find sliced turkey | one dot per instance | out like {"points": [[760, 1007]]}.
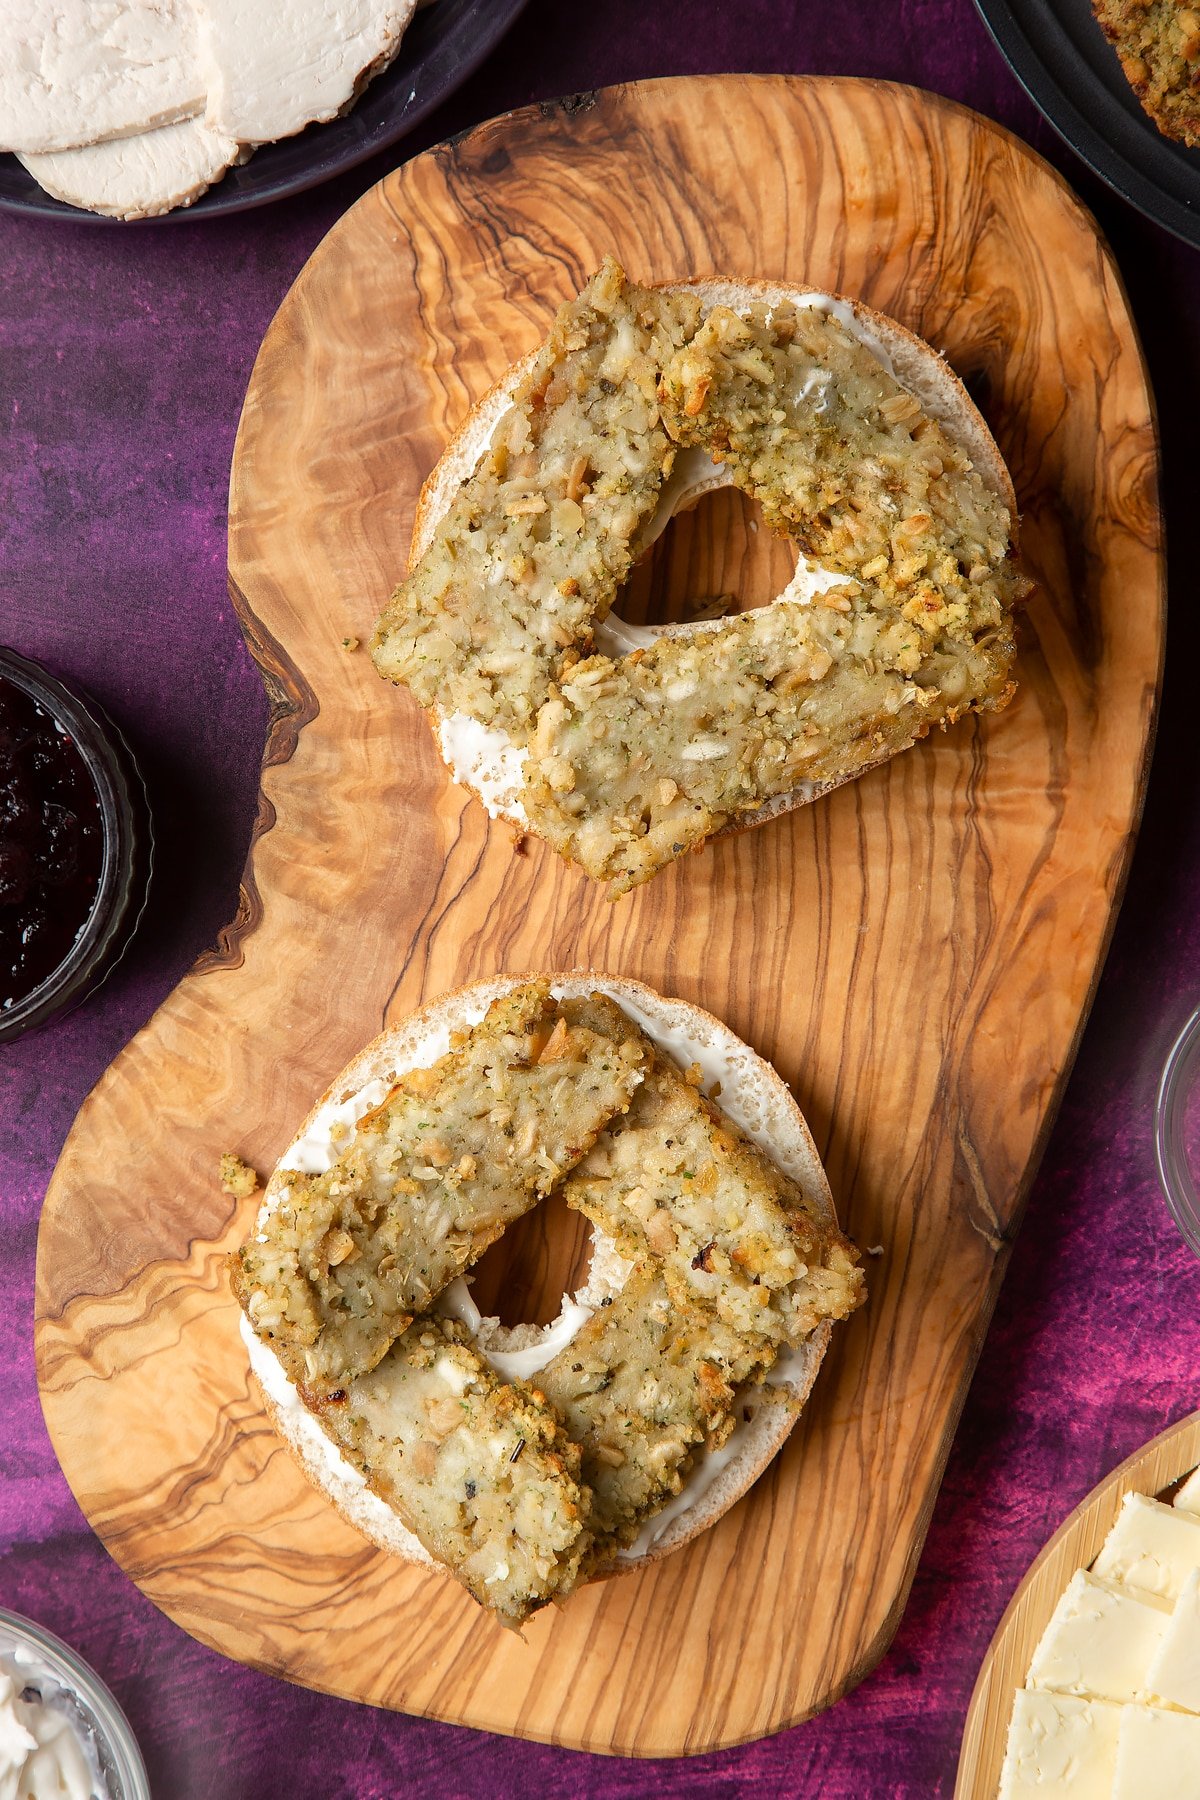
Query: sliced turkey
{"points": [[138, 177], [267, 83], [78, 71]]}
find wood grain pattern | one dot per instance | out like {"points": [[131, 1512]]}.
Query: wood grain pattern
{"points": [[1155, 1469], [916, 953]]}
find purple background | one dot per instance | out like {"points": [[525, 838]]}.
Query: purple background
{"points": [[125, 355]]}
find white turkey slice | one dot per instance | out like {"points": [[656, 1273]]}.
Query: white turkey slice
{"points": [[268, 83], [76, 72], [138, 177]]}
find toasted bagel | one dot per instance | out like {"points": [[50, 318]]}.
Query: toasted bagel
{"points": [[751, 1094], [485, 755]]}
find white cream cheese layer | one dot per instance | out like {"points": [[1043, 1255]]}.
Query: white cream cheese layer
{"points": [[480, 757], [727, 1070]]}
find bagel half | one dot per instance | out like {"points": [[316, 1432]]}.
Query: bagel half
{"points": [[485, 758], [751, 1093]]}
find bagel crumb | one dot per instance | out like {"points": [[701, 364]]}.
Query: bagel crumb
{"points": [[237, 1177]]}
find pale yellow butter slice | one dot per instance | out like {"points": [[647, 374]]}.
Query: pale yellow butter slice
{"points": [[1158, 1755], [1151, 1546], [1174, 1672], [1188, 1498], [1060, 1748], [1100, 1641]]}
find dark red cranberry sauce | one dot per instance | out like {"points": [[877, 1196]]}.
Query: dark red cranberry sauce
{"points": [[51, 844]]}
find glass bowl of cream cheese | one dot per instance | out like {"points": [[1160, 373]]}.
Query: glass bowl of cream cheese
{"points": [[62, 1735], [1177, 1131]]}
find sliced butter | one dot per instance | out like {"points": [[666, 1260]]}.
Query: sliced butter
{"points": [[1174, 1672], [1188, 1498], [1100, 1641], [1158, 1755], [1151, 1546], [1060, 1748]]}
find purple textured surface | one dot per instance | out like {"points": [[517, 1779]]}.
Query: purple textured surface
{"points": [[125, 357]]}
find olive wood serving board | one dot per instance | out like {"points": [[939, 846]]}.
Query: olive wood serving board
{"points": [[916, 952], [1155, 1469]]}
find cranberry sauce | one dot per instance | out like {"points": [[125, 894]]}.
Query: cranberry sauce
{"points": [[51, 844]]}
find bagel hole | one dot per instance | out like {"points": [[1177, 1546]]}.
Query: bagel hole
{"points": [[715, 559], [522, 1278]]}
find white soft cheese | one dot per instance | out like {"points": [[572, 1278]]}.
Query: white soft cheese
{"points": [[1174, 1672], [1100, 1641], [1151, 1546], [1158, 1755], [1060, 1748], [138, 177], [491, 1338], [485, 759], [331, 1129], [45, 1753], [77, 71], [269, 78]]}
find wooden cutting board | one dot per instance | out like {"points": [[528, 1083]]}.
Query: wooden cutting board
{"points": [[916, 953], [1157, 1470]]}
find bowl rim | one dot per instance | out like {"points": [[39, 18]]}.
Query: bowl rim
{"points": [[116, 780], [1180, 1071], [99, 1705]]}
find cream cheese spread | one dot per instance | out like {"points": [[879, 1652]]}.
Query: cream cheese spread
{"points": [[480, 757], [45, 1750]]}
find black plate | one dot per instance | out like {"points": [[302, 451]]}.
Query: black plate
{"points": [[444, 44], [1066, 65]]}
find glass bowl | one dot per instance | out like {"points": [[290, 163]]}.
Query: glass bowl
{"points": [[1177, 1131], [126, 846], [48, 1662]]}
